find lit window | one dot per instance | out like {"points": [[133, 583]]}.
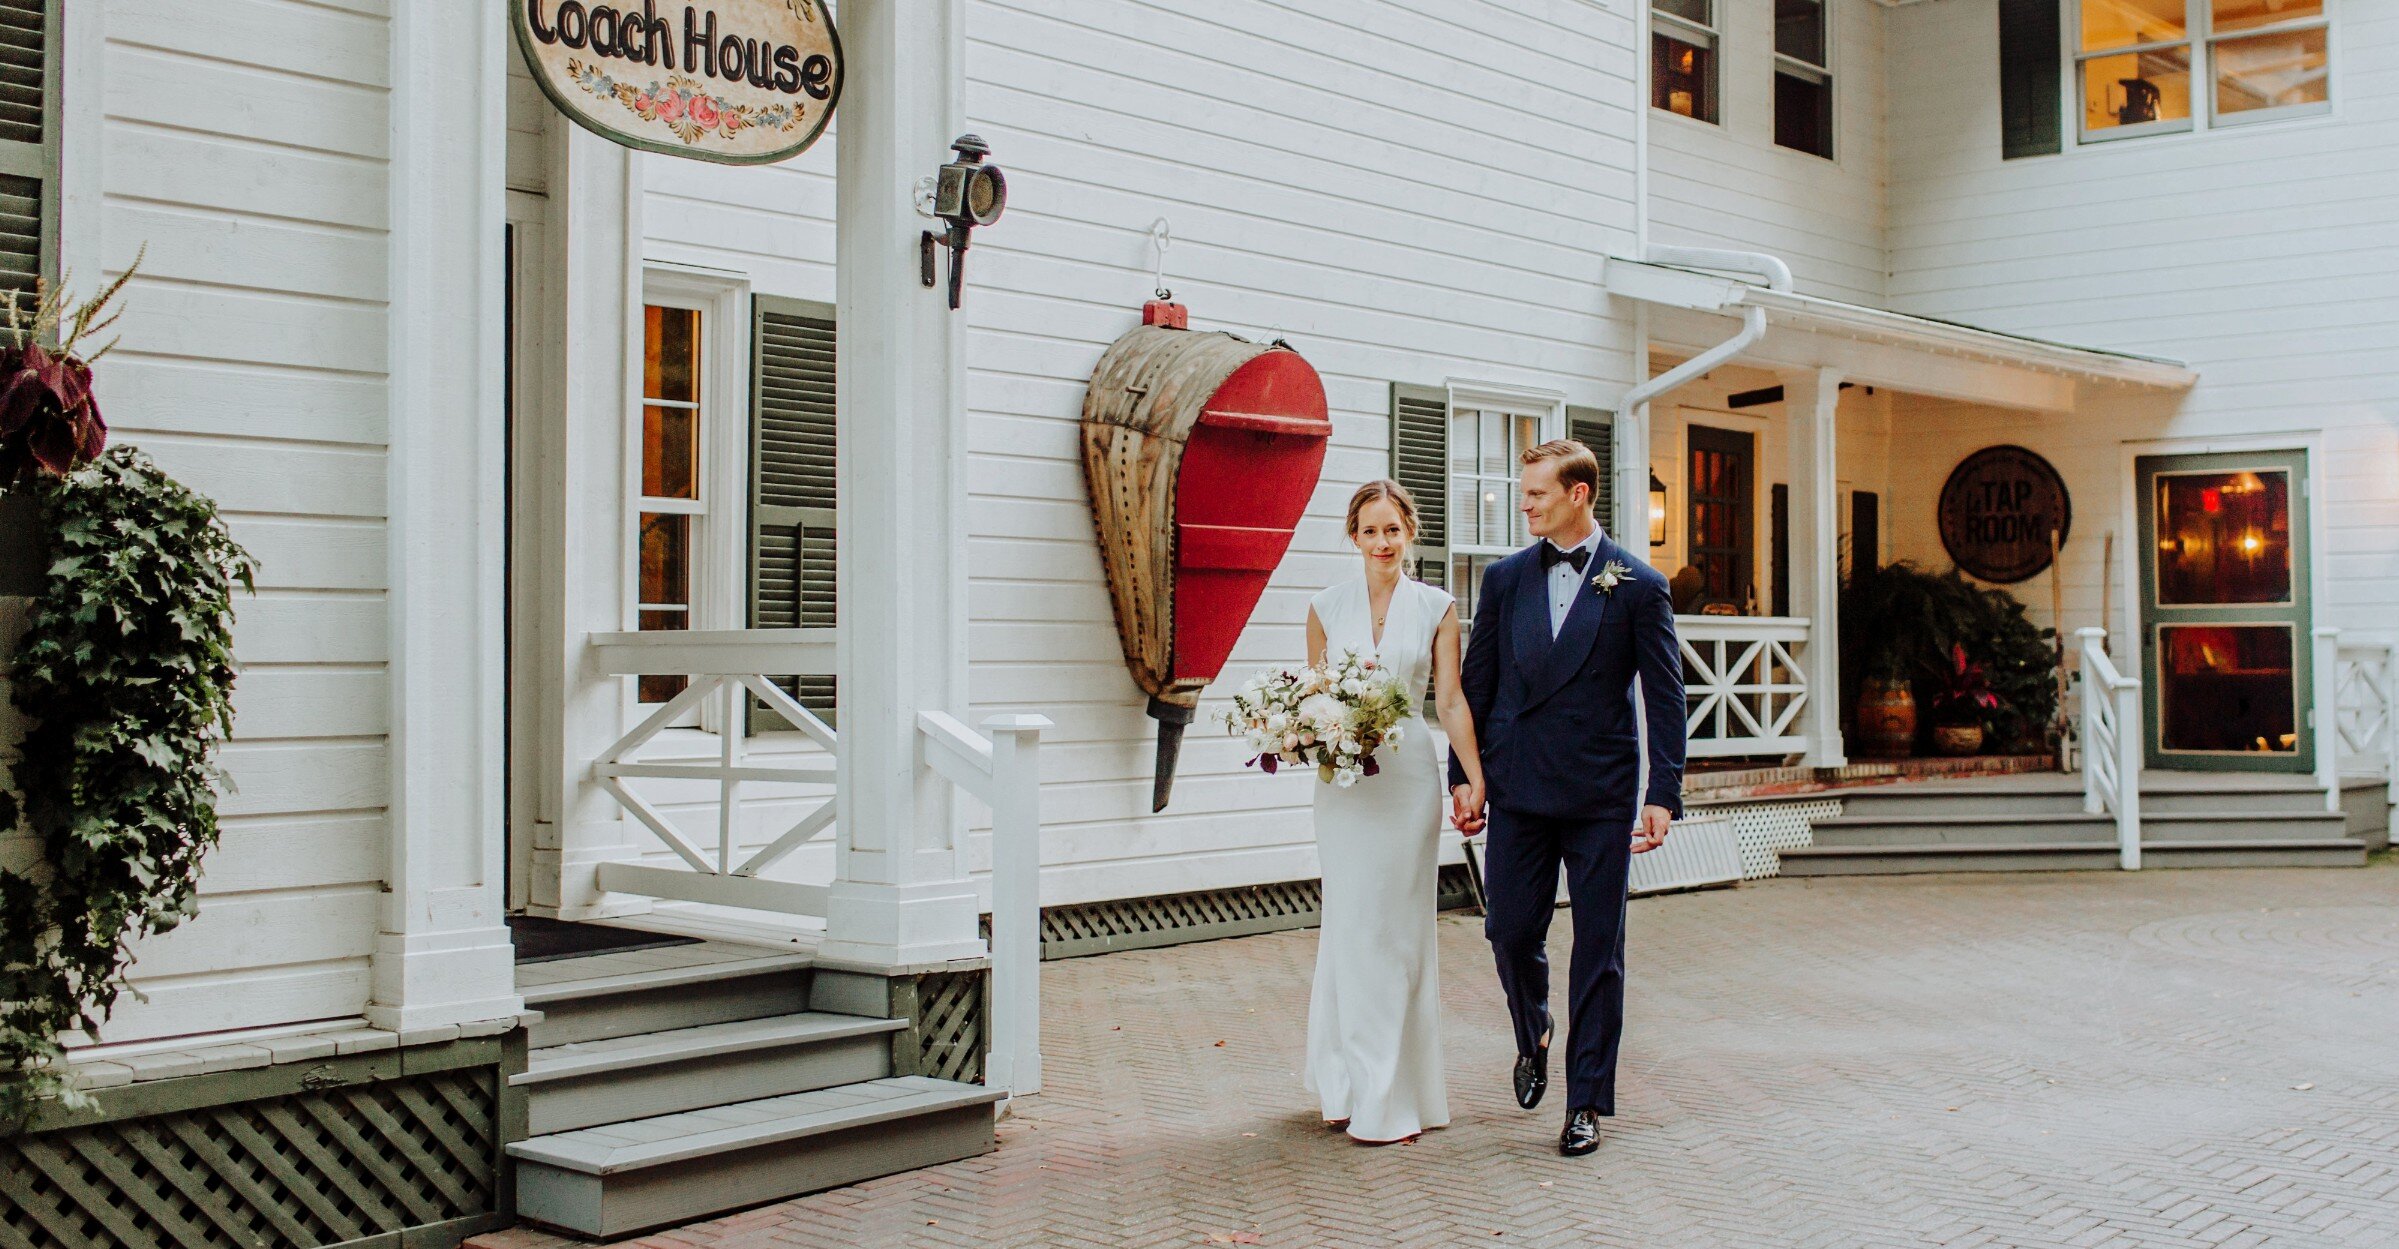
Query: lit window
{"points": [[1682, 57], [1803, 80], [2136, 61], [672, 503]]}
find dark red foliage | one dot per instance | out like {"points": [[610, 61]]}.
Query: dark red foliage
{"points": [[48, 417]]}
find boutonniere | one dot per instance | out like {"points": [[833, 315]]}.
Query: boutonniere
{"points": [[1611, 575]]}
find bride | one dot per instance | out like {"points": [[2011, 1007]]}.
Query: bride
{"points": [[1374, 1021]]}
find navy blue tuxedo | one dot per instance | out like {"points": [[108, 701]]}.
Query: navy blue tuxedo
{"points": [[1561, 756]]}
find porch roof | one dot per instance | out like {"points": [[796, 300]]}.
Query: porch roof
{"points": [[1905, 352]]}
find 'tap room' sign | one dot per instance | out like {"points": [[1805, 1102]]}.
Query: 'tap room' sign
{"points": [[743, 82]]}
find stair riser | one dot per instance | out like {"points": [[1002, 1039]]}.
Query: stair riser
{"points": [[2068, 861], [652, 1197], [1878, 804], [2238, 828], [715, 1080], [2369, 812], [632, 1013], [1933, 834]]}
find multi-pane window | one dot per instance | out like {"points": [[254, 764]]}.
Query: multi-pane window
{"points": [[2146, 66], [673, 505], [1803, 80], [1683, 46], [1483, 472]]}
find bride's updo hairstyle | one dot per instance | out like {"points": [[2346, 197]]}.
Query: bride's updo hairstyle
{"points": [[1389, 491]]}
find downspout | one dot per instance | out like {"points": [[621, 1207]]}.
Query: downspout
{"points": [[1635, 403]]}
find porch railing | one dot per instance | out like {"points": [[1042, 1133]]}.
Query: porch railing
{"points": [[1004, 771], [2364, 736], [727, 666], [1746, 686], [2111, 745]]}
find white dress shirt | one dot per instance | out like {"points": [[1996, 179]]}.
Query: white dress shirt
{"points": [[1565, 580]]}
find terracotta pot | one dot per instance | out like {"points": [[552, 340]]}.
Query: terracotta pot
{"points": [[1887, 719], [1958, 739]]}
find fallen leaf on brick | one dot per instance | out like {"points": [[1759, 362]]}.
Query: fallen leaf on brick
{"points": [[1249, 1134], [2301, 1088], [1220, 1045], [1545, 1183]]}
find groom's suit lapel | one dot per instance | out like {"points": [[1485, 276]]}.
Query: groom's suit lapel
{"points": [[1572, 646], [1530, 618]]}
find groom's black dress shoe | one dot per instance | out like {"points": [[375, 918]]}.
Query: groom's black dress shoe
{"points": [[1532, 1077], [1581, 1135]]}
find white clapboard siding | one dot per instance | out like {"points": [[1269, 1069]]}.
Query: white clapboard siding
{"points": [[1405, 191], [1729, 185], [2262, 254], [245, 147]]}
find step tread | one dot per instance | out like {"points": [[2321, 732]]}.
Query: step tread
{"points": [[662, 978], [585, 1058], [642, 1143], [2056, 847]]}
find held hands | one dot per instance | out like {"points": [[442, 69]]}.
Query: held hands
{"points": [[1649, 832], [1466, 809]]}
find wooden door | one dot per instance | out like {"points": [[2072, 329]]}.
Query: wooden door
{"points": [[1722, 513]]}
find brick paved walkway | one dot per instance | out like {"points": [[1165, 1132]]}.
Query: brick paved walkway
{"points": [[2081, 1059]]}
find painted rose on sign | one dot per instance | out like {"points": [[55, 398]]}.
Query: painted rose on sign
{"points": [[737, 81]]}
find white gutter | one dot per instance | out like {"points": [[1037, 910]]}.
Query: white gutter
{"points": [[1753, 318]]}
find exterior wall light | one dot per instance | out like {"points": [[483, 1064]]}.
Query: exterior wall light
{"points": [[967, 193], [1657, 510]]}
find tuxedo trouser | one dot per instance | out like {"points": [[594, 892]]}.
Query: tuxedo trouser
{"points": [[1522, 856]]}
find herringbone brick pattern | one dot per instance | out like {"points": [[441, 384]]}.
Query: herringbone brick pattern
{"points": [[2195, 1058]]}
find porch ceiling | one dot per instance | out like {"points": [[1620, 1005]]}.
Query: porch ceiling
{"points": [[1693, 310]]}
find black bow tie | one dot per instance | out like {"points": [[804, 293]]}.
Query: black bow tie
{"points": [[1551, 556]]}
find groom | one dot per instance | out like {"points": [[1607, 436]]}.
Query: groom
{"points": [[1560, 631]]}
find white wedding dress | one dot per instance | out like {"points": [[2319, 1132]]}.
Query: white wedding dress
{"points": [[1374, 1020]]}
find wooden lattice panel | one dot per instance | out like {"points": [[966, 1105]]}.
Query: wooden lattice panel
{"points": [[1171, 919], [307, 1168], [948, 1026]]}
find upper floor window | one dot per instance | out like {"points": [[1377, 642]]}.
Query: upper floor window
{"points": [[1683, 43], [1803, 80], [2158, 66]]}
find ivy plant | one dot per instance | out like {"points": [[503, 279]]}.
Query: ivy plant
{"points": [[124, 676]]}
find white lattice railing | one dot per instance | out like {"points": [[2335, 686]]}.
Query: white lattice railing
{"points": [[2365, 715], [726, 667], [2111, 745], [1004, 770], [1745, 686]]}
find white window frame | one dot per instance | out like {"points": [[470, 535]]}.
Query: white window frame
{"points": [[1709, 36], [1798, 68], [2202, 40], [1512, 401], [720, 515]]}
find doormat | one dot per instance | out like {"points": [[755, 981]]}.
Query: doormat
{"points": [[540, 940]]}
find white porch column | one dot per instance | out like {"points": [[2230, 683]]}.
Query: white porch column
{"points": [[574, 516], [1812, 398], [443, 954], [900, 892]]}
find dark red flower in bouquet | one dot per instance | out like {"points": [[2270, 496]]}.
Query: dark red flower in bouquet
{"points": [[47, 413]]}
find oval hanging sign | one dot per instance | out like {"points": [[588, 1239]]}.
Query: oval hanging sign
{"points": [[1998, 510], [742, 82]]}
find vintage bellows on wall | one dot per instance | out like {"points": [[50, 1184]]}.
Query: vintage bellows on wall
{"points": [[1201, 451]]}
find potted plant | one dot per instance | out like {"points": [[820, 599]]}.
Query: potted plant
{"points": [[49, 421], [1886, 711], [1963, 705]]}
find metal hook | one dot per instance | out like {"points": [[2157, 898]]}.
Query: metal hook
{"points": [[1161, 237]]}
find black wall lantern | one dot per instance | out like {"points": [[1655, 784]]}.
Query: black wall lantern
{"points": [[1657, 510], [968, 193]]}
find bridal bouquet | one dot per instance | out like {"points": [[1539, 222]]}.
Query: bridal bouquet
{"points": [[1333, 715]]}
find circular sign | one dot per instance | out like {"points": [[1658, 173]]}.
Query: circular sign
{"points": [[1998, 510], [741, 82]]}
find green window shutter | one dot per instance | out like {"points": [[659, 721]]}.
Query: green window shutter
{"points": [[29, 42], [1420, 462], [2030, 48], [1596, 428], [793, 542]]}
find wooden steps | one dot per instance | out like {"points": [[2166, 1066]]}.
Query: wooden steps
{"points": [[2036, 823], [648, 1173], [671, 1085]]}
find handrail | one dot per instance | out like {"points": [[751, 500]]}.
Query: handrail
{"points": [[1744, 684], [1004, 770], [713, 652], [2111, 745]]}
